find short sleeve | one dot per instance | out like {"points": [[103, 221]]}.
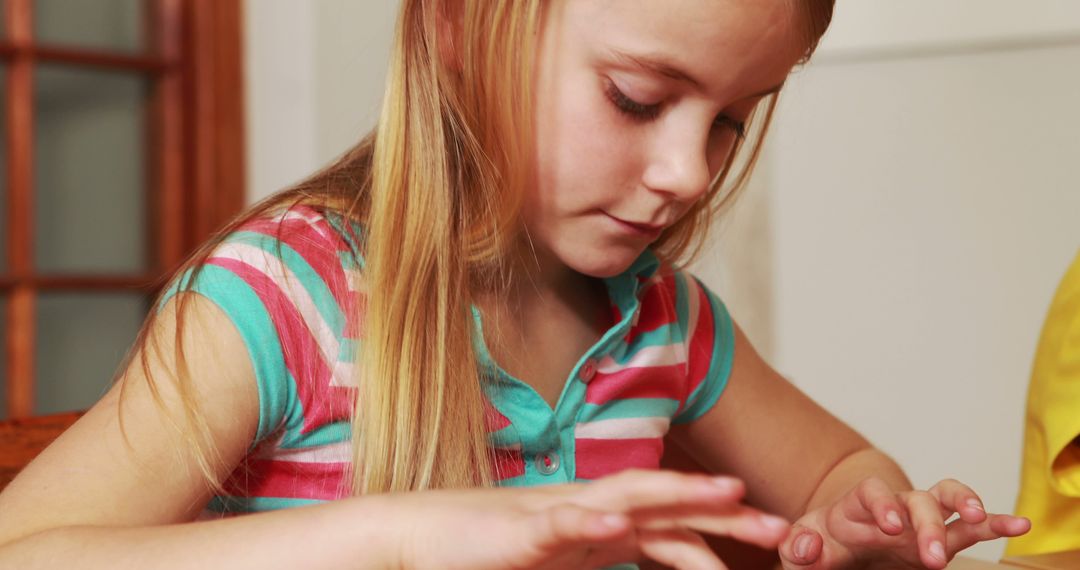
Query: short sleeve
{"points": [[710, 346], [282, 283]]}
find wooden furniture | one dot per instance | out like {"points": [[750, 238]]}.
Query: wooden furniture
{"points": [[22, 440]]}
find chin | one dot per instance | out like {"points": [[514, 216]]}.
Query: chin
{"points": [[602, 263]]}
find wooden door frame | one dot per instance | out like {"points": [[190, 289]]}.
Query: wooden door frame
{"points": [[196, 177]]}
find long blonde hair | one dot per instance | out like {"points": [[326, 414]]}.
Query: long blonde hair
{"points": [[438, 186]]}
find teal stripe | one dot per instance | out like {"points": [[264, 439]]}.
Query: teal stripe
{"points": [[257, 504], [312, 282], [506, 437], [334, 432], [682, 306], [248, 314], [519, 481], [630, 408], [708, 392], [352, 239], [348, 349]]}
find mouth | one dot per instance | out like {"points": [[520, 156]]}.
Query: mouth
{"points": [[638, 229]]}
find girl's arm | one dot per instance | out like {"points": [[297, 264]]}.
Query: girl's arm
{"points": [[791, 452], [94, 500], [850, 501]]}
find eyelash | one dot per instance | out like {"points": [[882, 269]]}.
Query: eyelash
{"points": [[640, 112]]}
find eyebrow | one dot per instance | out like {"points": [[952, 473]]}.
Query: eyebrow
{"points": [[660, 65]]}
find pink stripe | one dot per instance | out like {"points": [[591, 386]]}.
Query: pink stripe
{"points": [[700, 349], [322, 403], [507, 464], [319, 252], [651, 382], [599, 457], [287, 480], [493, 418], [657, 308]]}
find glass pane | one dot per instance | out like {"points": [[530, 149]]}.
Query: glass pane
{"points": [[3, 168], [112, 25], [3, 357], [81, 339], [90, 173]]}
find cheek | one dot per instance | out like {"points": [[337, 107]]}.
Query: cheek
{"points": [[584, 152], [720, 149]]}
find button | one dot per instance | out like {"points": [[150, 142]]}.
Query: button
{"points": [[547, 463], [588, 370]]}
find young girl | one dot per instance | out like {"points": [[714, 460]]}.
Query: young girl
{"points": [[483, 293]]}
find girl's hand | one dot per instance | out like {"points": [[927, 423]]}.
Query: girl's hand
{"points": [[658, 514], [874, 526]]}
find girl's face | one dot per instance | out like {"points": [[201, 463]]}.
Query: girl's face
{"points": [[638, 104]]}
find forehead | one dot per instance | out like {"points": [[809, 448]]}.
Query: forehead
{"points": [[723, 42]]}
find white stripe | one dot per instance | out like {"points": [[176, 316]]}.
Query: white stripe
{"points": [[290, 285], [624, 428], [344, 375], [339, 452], [649, 356]]}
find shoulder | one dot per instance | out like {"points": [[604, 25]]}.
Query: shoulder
{"points": [[683, 299]]}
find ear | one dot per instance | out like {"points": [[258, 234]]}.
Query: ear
{"points": [[451, 27]]}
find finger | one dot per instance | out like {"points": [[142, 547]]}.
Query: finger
{"points": [[925, 512], [742, 523], [678, 548], [557, 528], [802, 548], [961, 534], [956, 497], [877, 499], [649, 489]]}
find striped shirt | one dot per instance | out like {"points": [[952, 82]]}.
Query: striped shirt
{"points": [[292, 286]]}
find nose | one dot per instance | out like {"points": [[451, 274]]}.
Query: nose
{"points": [[679, 165]]}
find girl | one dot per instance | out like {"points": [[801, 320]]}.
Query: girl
{"points": [[498, 256]]}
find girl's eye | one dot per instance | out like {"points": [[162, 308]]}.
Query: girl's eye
{"points": [[643, 112], [724, 121], [630, 107]]}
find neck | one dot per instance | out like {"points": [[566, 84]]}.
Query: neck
{"points": [[536, 280]]}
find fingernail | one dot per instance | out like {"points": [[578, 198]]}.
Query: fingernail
{"points": [[975, 504], [774, 523], [893, 519], [614, 521], [802, 546], [937, 550], [725, 483]]}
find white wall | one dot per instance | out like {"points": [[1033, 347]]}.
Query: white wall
{"points": [[315, 72], [903, 235], [921, 199]]}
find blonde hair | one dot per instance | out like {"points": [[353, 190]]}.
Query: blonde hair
{"points": [[438, 186]]}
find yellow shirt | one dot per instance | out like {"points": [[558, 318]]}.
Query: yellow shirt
{"points": [[1050, 480]]}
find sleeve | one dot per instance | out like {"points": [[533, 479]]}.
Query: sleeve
{"points": [[1059, 415], [282, 284], [710, 346]]}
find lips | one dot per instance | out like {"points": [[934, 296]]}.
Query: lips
{"points": [[638, 228]]}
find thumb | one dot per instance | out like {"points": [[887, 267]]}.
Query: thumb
{"points": [[801, 549]]}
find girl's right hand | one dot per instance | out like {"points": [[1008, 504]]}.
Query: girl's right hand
{"points": [[617, 519]]}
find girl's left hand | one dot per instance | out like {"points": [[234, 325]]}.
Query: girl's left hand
{"points": [[874, 526]]}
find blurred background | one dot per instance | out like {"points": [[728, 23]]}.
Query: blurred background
{"points": [[917, 201]]}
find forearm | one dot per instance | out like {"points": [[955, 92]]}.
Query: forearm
{"points": [[350, 533], [853, 468]]}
